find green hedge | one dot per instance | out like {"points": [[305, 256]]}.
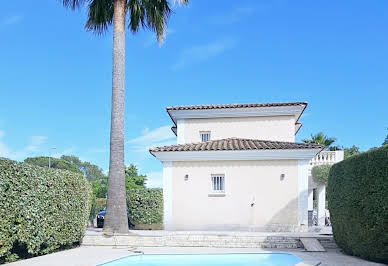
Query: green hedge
{"points": [[145, 205], [358, 203], [42, 209]]}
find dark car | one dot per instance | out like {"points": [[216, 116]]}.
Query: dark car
{"points": [[101, 217]]}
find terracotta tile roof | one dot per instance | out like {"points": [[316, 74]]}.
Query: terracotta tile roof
{"points": [[237, 144], [226, 106]]}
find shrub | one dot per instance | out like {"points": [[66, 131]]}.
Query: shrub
{"points": [[96, 194], [358, 203], [54, 163], [145, 206], [320, 174], [97, 205], [42, 209]]}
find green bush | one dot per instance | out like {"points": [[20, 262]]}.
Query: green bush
{"points": [[145, 206], [42, 209], [320, 174], [358, 203]]}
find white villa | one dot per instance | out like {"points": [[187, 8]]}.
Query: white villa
{"points": [[238, 167]]}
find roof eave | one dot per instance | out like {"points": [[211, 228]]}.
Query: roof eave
{"points": [[278, 154], [237, 112]]}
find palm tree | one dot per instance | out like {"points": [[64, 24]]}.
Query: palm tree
{"points": [[151, 14], [320, 138]]}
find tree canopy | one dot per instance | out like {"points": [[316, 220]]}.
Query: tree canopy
{"points": [[72, 163], [348, 152], [58, 163], [91, 171], [133, 179]]}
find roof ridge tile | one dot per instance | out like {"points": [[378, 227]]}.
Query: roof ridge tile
{"points": [[236, 144]]}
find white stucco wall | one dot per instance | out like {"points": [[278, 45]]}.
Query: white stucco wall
{"points": [[191, 208], [277, 128]]}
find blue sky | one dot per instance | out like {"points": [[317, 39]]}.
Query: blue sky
{"points": [[55, 78]]}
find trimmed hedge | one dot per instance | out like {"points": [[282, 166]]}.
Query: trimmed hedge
{"points": [[42, 209], [358, 203], [145, 205]]}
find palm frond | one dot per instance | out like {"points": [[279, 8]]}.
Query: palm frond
{"points": [[151, 14], [100, 16], [181, 2], [137, 14], [73, 4], [320, 138]]}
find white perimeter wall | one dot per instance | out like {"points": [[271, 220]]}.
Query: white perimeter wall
{"points": [[188, 205]]}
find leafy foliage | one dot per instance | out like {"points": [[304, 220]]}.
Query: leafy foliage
{"points": [[348, 152], [43, 161], [42, 209], [99, 188], [91, 171], [145, 205], [133, 179], [358, 204], [96, 205], [320, 138], [98, 193], [320, 174]]}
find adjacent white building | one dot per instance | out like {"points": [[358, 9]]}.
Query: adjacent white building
{"points": [[237, 167]]}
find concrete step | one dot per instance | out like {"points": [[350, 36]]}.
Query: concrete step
{"points": [[312, 244], [328, 242]]}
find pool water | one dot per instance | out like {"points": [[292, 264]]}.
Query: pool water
{"points": [[250, 259]]}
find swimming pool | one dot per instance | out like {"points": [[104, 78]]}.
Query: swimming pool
{"points": [[249, 259]]}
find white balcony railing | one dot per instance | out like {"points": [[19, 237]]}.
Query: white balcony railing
{"points": [[327, 157]]}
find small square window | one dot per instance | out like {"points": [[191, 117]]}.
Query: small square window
{"points": [[205, 136], [218, 183]]}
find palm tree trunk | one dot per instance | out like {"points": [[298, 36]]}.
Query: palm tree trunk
{"points": [[116, 220]]}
